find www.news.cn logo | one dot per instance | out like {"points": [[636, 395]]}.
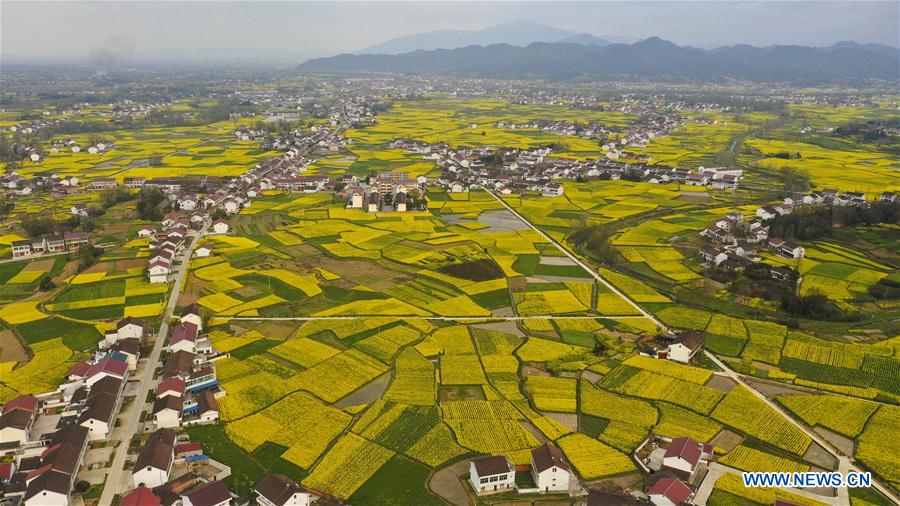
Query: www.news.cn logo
{"points": [[808, 480]]}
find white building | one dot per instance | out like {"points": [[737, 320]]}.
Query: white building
{"points": [[214, 493], [220, 227], [491, 474], [279, 490], [154, 463], [669, 492], [549, 469]]}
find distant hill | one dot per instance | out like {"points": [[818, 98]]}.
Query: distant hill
{"points": [[585, 39], [651, 58], [520, 33]]}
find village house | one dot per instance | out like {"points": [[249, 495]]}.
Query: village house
{"points": [[684, 456], [711, 255], [203, 250], [167, 412], [191, 314], [682, 346], [279, 490], [491, 474], [51, 477], [170, 386], [214, 493], [552, 190], [766, 213], [158, 270], [220, 227], [184, 338], [19, 415], [100, 407], [130, 327], [131, 349], [549, 469], [111, 366], [793, 250], [147, 231], [669, 492], [141, 496], [154, 462]]}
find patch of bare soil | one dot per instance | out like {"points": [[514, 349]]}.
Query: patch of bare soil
{"points": [[69, 269], [819, 456], [40, 265], [507, 326], [727, 440], [367, 394], [534, 370], [841, 442], [362, 272], [461, 393], [99, 267], [447, 484], [771, 390], [534, 431], [570, 420], [617, 483], [186, 299], [274, 329], [721, 383], [130, 263], [591, 376], [10, 348]]}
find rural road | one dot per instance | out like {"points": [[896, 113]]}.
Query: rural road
{"points": [[575, 259], [844, 464], [116, 479], [417, 317]]}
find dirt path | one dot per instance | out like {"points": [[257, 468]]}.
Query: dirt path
{"points": [[446, 484]]}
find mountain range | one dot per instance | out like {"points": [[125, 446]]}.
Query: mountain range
{"points": [[586, 56], [520, 33]]}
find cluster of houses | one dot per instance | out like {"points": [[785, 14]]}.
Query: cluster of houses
{"points": [[388, 192], [297, 143], [168, 242], [164, 451], [187, 390], [549, 471], [520, 170], [677, 466], [57, 186], [734, 243], [170, 469], [45, 461], [68, 242]]}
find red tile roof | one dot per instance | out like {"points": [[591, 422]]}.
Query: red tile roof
{"points": [[108, 365], [141, 496], [672, 488], [184, 331], [686, 448], [174, 383], [24, 402]]}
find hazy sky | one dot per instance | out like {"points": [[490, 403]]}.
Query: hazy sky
{"points": [[170, 30]]}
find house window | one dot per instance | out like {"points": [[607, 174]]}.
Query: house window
{"points": [[483, 480], [493, 479]]}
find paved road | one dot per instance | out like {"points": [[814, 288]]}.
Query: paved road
{"points": [[578, 261], [119, 479], [844, 464], [416, 317]]}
